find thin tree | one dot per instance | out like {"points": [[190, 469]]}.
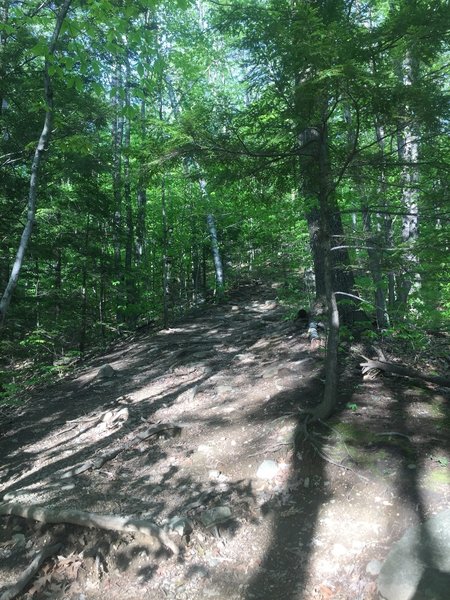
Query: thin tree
{"points": [[41, 148]]}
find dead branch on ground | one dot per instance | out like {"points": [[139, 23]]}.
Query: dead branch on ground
{"points": [[404, 371]]}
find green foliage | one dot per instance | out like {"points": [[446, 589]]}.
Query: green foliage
{"points": [[225, 95]]}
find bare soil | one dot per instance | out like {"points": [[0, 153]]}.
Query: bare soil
{"points": [[234, 379]]}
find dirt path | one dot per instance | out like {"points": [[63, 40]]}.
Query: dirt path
{"points": [[233, 380]]}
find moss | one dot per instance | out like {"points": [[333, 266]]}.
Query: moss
{"points": [[347, 432], [365, 448], [437, 478]]}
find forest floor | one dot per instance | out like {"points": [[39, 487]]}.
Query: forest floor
{"points": [[228, 382]]}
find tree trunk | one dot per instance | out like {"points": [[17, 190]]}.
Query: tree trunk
{"points": [[210, 220], [141, 198], [212, 230], [311, 175], [129, 244], [313, 220], [374, 254], [37, 291], [117, 140], [328, 404], [165, 256], [58, 274], [41, 148], [84, 291], [408, 153]]}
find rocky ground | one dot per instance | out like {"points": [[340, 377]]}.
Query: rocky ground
{"points": [[193, 429]]}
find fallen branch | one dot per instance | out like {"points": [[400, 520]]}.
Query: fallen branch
{"points": [[101, 459], [86, 519], [30, 571], [398, 370]]}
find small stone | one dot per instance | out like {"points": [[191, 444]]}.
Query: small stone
{"points": [[306, 482], [19, 540], [204, 448], [106, 372], [224, 389], [215, 516], [68, 486], [339, 550], [268, 469], [179, 525], [374, 567], [285, 372], [201, 355], [412, 466], [270, 372]]}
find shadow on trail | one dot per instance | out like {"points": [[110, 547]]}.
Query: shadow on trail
{"points": [[284, 573], [426, 436]]}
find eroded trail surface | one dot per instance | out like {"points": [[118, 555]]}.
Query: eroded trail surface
{"points": [[252, 517]]}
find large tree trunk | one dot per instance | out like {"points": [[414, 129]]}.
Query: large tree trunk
{"points": [[408, 153], [41, 148], [328, 404], [313, 220], [311, 176]]}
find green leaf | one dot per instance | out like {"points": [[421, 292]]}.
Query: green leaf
{"points": [[7, 28], [40, 49]]}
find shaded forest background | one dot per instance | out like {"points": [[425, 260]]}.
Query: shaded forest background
{"points": [[155, 153]]}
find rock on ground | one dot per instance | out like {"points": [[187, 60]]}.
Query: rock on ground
{"points": [[418, 565]]}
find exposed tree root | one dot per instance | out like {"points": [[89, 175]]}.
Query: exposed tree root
{"points": [[30, 571], [85, 519]]}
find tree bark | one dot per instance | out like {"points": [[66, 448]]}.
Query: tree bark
{"points": [[341, 273], [117, 142], [212, 230], [129, 243], [374, 255], [141, 198], [408, 153], [41, 148], [165, 255], [328, 403]]}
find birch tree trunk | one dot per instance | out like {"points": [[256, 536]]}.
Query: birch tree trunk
{"points": [[129, 243], [408, 153], [212, 230], [117, 142], [41, 148], [141, 197], [210, 220], [165, 255]]}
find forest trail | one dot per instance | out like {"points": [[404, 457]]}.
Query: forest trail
{"points": [[252, 517]]}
